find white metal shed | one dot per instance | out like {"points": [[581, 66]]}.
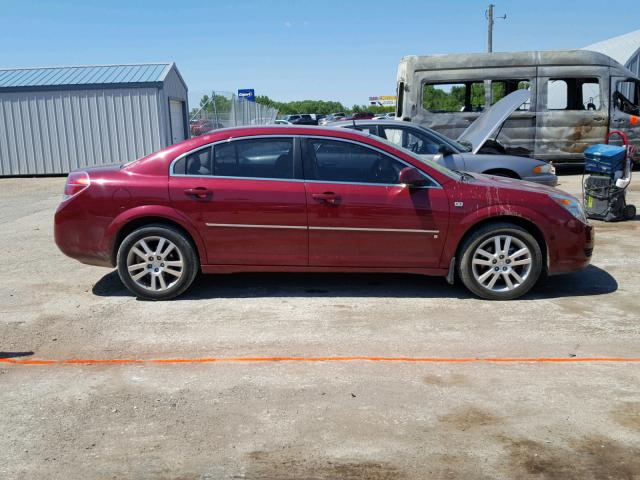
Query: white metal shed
{"points": [[56, 119]]}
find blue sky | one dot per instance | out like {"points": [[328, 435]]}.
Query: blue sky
{"points": [[291, 50]]}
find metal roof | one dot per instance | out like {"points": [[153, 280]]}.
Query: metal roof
{"points": [[620, 48], [83, 76]]}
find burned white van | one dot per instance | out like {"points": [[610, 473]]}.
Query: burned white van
{"points": [[577, 97]]}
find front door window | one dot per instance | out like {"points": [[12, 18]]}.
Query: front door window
{"points": [[626, 97]]}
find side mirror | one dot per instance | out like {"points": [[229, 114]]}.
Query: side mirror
{"points": [[412, 177]]}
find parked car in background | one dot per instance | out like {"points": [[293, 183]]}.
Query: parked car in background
{"points": [[201, 126], [281, 121], [301, 119], [334, 117], [434, 146], [385, 116], [278, 198], [359, 116]]}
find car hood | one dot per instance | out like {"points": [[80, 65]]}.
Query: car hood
{"points": [[482, 179], [483, 127], [510, 159]]}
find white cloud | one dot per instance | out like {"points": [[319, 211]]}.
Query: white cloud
{"points": [[288, 24]]}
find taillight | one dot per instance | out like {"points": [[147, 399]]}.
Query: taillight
{"points": [[76, 182]]}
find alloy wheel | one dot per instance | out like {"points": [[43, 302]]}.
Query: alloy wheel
{"points": [[155, 263], [502, 263]]}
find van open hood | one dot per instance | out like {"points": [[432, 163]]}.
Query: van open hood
{"points": [[479, 131]]}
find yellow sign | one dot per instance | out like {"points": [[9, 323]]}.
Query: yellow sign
{"points": [[383, 100]]}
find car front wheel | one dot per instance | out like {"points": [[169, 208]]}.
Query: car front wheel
{"points": [[500, 261], [157, 262]]}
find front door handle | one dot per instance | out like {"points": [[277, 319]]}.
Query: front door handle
{"points": [[618, 120], [598, 119], [329, 198], [199, 192]]}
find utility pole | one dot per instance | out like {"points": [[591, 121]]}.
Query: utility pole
{"points": [[490, 18]]}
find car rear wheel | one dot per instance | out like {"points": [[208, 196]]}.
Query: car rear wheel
{"points": [[157, 262], [500, 261]]}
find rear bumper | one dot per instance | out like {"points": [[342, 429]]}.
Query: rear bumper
{"points": [[573, 249], [81, 236]]}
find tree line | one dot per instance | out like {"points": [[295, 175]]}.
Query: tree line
{"points": [[325, 107]]}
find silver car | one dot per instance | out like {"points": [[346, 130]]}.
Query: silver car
{"points": [[463, 155]]}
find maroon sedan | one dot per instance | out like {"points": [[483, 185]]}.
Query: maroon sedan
{"points": [[306, 199]]}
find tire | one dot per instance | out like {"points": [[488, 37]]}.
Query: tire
{"points": [[629, 212], [169, 266], [477, 270]]}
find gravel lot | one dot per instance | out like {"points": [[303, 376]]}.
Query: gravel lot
{"points": [[312, 419]]}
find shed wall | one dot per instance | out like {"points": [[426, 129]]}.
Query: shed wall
{"points": [[172, 88], [57, 131]]}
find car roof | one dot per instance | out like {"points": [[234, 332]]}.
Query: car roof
{"points": [[376, 122], [251, 131]]}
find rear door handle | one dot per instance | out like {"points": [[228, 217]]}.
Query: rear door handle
{"points": [[326, 197], [598, 119], [199, 192]]}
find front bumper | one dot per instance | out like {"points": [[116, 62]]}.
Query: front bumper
{"points": [[548, 179], [573, 249]]}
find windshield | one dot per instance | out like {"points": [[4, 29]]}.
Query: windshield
{"points": [[430, 163], [459, 147]]}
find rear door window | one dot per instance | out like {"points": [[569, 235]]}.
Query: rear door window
{"points": [[196, 163], [255, 158]]}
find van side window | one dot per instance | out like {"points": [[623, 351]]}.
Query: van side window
{"points": [[573, 94], [502, 88], [453, 97], [626, 98]]}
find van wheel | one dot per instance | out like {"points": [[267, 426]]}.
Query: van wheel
{"points": [[157, 262], [500, 261]]}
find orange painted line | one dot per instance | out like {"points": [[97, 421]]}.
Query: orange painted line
{"points": [[128, 361]]}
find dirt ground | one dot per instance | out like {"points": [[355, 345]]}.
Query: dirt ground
{"points": [[345, 419]]}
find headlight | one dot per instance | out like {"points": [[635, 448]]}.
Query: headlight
{"points": [[572, 205], [546, 168]]}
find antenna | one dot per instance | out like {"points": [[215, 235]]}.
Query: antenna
{"points": [[489, 16]]}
